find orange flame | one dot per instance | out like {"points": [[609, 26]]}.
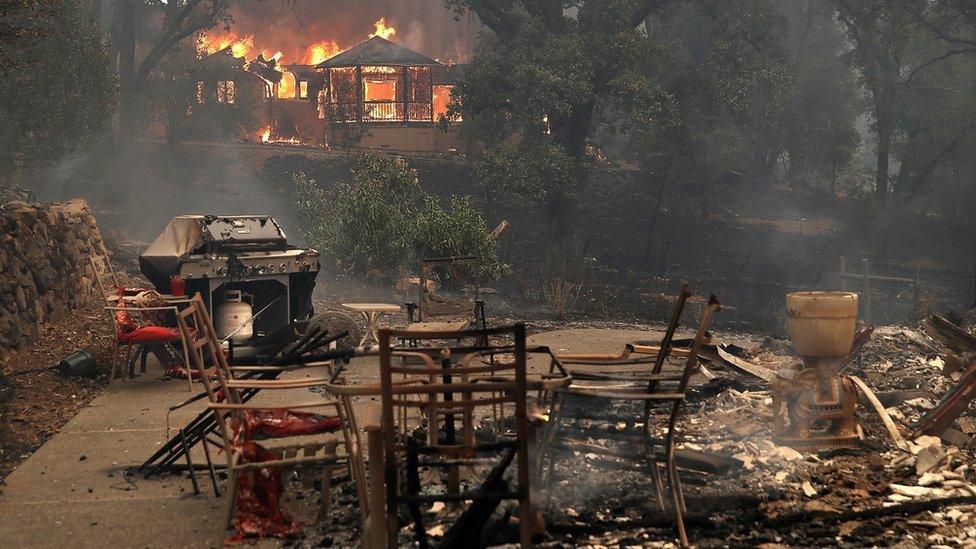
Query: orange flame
{"points": [[286, 86], [212, 43], [382, 30], [318, 52]]}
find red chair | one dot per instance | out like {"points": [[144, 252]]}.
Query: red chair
{"points": [[140, 328]]}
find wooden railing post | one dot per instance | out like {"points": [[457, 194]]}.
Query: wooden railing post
{"points": [[866, 292], [841, 272], [918, 287]]}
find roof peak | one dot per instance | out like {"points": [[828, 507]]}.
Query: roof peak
{"points": [[377, 50]]}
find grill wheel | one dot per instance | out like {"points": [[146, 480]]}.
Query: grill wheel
{"points": [[338, 321]]}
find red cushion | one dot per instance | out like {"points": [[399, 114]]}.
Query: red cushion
{"points": [[286, 423], [149, 334]]}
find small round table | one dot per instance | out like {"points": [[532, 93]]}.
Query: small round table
{"points": [[371, 312]]}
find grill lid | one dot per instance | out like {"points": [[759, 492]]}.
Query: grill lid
{"points": [[210, 234]]}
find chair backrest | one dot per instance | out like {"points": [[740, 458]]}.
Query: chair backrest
{"points": [[665, 346], [106, 280], [444, 270], [480, 369], [204, 346], [691, 363]]}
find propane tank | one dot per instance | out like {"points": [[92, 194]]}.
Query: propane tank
{"points": [[234, 314]]}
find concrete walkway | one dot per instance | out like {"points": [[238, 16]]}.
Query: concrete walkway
{"points": [[71, 492]]}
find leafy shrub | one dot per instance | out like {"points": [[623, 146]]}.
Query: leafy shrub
{"points": [[383, 220]]}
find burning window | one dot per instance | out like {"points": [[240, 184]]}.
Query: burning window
{"points": [[380, 83], [201, 92], [342, 94], [418, 96], [441, 102], [225, 91], [303, 89], [286, 87]]}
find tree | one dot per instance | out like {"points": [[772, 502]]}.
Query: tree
{"points": [[181, 20], [820, 120], [382, 220], [880, 32], [57, 87], [534, 93], [725, 66]]}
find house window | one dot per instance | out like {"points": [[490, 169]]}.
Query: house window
{"points": [[303, 89], [225, 91], [381, 90], [441, 101], [201, 92], [286, 86]]}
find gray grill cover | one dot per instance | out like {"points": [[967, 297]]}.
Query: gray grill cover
{"points": [[161, 260]]}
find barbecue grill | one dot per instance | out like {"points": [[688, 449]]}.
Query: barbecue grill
{"points": [[257, 287]]}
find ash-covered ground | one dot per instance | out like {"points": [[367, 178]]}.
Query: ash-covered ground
{"points": [[869, 494]]}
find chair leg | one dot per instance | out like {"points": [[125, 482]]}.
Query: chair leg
{"points": [[677, 498], [413, 488], [128, 357], [143, 356], [658, 484], [115, 361], [231, 504], [548, 436], [326, 496]]}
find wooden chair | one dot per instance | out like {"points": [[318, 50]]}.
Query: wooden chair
{"points": [[450, 385], [650, 388], [434, 313], [129, 321], [238, 421]]}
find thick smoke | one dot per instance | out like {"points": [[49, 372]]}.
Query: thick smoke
{"points": [[292, 26]]}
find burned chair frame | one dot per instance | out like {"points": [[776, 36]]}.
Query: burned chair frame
{"points": [[650, 388], [229, 408], [422, 315], [481, 377]]}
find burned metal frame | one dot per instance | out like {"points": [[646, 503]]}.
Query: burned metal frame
{"points": [[481, 379], [229, 410], [648, 388]]}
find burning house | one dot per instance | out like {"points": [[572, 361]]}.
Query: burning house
{"points": [[375, 95], [380, 95]]}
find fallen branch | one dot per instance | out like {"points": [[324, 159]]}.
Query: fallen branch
{"points": [[882, 413]]}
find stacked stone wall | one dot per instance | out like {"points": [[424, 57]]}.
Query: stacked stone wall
{"points": [[44, 266]]}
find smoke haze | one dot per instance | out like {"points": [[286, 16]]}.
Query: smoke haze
{"points": [[291, 27]]}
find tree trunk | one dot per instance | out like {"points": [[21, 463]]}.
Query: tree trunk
{"points": [[127, 61], [885, 129]]}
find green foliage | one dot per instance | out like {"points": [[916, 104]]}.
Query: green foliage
{"points": [[725, 66], [819, 123], [57, 87], [383, 220], [544, 84]]}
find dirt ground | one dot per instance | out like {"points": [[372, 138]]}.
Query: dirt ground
{"points": [[35, 400]]}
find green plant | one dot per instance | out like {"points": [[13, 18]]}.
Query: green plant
{"points": [[384, 221]]}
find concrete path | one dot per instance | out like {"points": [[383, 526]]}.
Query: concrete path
{"points": [[71, 492]]}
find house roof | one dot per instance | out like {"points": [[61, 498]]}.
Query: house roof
{"points": [[377, 51]]}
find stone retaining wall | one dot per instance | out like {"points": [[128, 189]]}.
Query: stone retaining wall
{"points": [[44, 267]]}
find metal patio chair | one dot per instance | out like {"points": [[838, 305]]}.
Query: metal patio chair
{"points": [[483, 372], [436, 313], [241, 423], [650, 388]]}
